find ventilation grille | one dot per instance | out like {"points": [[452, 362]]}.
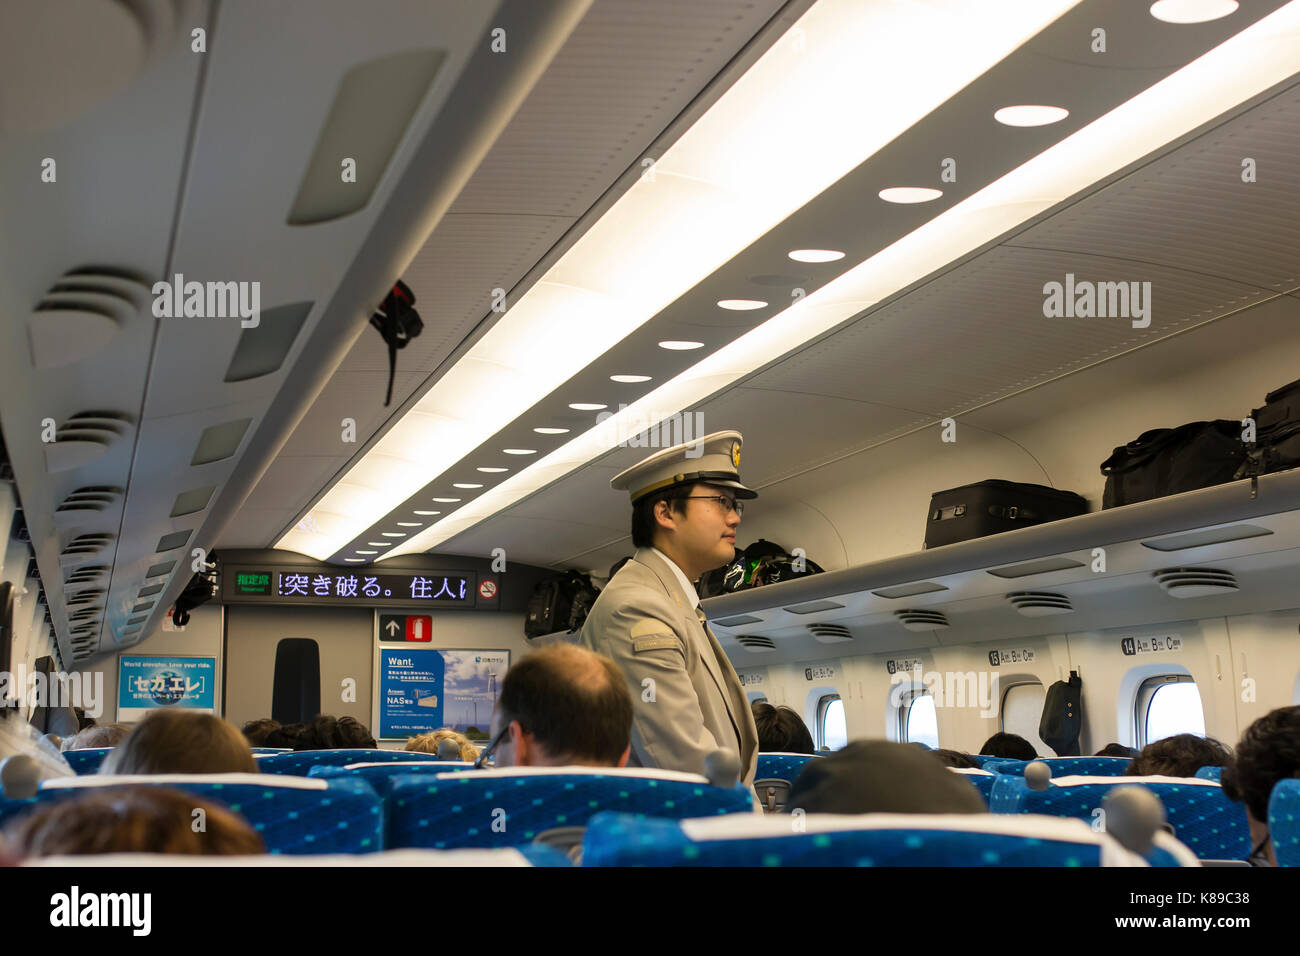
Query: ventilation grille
{"points": [[83, 438], [1040, 603], [919, 620], [86, 596], [86, 502], [755, 643], [830, 633], [85, 577], [1195, 582], [85, 546]]}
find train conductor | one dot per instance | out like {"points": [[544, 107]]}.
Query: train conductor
{"points": [[688, 700]]}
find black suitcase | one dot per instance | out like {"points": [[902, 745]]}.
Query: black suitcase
{"points": [[559, 603], [1277, 433], [1169, 461], [993, 506]]}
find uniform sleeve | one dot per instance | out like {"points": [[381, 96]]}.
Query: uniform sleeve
{"points": [[668, 726]]}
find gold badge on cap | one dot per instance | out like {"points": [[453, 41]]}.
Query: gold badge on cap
{"points": [[735, 454]]}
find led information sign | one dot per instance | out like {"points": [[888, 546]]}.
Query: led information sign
{"points": [[253, 582], [449, 589]]}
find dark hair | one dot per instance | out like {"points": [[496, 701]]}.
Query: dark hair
{"points": [[1269, 751], [1012, 746], [285, 736], [876, 776], [643, 512], [781, 730], [132, 820], [1116, 750], [257, 730], [955, 758], [1178, 756], [574, 710], [181, 741], [330, 733]]}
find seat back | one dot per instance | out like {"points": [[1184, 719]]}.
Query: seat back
{"points": [[1284, 822], [512, 806], [1202, 817], [773, 794], [981, 780], [266, 751], [296, 763], [292, 815], [380, 776], [86, 761], [781, 766], [1067, 766], [1210, 773], [510, 857], [876, 839]]}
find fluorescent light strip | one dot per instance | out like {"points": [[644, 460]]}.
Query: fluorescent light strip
{"points": [[1261, 56], [725, 182]]}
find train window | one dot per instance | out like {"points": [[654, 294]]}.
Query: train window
{"points": [[1168, 705], [1022, 710], [832, 731], [918, 719]]}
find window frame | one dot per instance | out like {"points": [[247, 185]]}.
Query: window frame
{"points": [[823, 705], [905, 701], [1146, 693]]}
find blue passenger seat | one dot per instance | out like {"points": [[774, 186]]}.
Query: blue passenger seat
{"points": [[296, 763], [981, 780], [781, 766], [381, 775], [1284, 822], [86, 761], [511, 806], [1210, 773], [1066, 766]]}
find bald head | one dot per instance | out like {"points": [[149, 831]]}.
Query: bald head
{"points": [[571, 704]]}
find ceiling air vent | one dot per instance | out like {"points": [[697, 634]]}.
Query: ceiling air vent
{"points": [[920, 620], [86, 596], [85, 577], [1040, 603], [1195, 582], [83, 438], [830, 633], [85, 546], [752, 642], [85, 503]]}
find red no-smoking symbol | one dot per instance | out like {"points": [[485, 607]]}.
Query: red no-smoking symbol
{"points": [[487, 589]]}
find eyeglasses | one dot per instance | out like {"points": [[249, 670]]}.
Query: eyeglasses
{"points": [[725, 502], [487, 758]]}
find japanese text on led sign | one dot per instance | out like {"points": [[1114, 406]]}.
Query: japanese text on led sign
{"points": [[363, 586]]}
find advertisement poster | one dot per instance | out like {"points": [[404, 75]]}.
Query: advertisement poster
{"points": [[145, 683], [423, 689]]}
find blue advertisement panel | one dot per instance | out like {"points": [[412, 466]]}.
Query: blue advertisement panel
{"points": [[422, 689], [145, 683]]}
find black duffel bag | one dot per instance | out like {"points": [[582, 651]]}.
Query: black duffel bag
{"points": [[1169, 461], [1277, 433], [559, 603], [993, 506]]}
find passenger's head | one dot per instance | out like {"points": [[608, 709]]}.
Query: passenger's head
{"points": [[100, 735], [954, 758], [687, 522], [284, 737], [1010, 746], [1178, 756], [428, 743], [1268, 751], [181, 741], [781, 730], [132, 820], [330, 733], [563, 705], [876, 776], [1116, 750], [257, 730]]}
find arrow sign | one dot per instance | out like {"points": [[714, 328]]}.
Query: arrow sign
{"points": [[392, 628]]}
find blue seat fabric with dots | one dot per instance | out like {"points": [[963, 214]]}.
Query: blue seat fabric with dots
{"points": [[510, 807], [86, 761], [1203, 818], [1066, 766], [980, 780], [334, 816], [1284, 822], [1210, 773], [381, 776], [297, 763], [781, 766], [869, 840]]}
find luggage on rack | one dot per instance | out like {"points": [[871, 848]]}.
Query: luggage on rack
{"points": [[560, 602], [1277, 433], [1168, 461], [993, 506]]}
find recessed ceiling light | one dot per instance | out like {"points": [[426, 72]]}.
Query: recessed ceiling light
{"points": [[1030, 115], [380, 544], [816, 255], [676, 346], [629, 379], [393, 534], [467, 485], [1192, 11], [489, 470], [354, 560], [446, 501], [909, 194], [586, 406], [410, 524], [523, 451], [428, 512], [551, 431], [741, 305], [362, 551]]}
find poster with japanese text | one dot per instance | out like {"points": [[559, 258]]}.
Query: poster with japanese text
{"points": [[145, 683], [422, 689]]}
